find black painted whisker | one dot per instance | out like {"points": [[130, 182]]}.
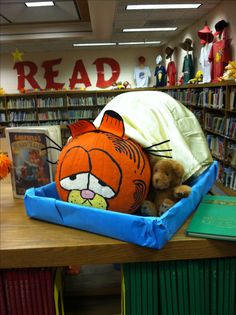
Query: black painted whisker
{"points": [[167, 150], [53, 142], [154, 145], [51, 162], [165, 156]]}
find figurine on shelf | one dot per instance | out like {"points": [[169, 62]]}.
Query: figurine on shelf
{"points": [[188, 68], [142, 74], [160, 72], [219, 55], [206, 37], [229, 72], [126, 85], [198, 78], [171, 68], [2, 91]]}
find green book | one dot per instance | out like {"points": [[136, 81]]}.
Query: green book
{"points": [[214, 218]]}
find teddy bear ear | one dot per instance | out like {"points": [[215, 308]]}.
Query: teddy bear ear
{"points": [[178, 169]]}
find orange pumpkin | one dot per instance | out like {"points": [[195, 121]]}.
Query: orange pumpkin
{"points": [[102, 168]]}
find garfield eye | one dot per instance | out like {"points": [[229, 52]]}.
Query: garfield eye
{"points": [[100, 187], [72, 177], [75, 181]]}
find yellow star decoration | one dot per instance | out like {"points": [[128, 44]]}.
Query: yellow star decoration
{"points": [[17, 55]]}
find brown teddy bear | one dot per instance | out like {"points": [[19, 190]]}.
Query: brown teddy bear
{"points": [[166, 188]]}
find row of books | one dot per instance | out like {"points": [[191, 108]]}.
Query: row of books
{"points": [[50, 102], [57, 114], [103, 100], [186, 97], [208, 97], [80, 101], [21, 102], [212, 98], [31, 291], [52, 115], [215, 123], [3, 117], [22, 116], [231, 153], [87, 114], [199, 115], [230, 130], [216, 146], [202, 286], [227, 176]]}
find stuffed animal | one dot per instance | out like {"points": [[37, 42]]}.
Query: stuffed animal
{"points": [[198, 78], [166, 189], [126, 85], [102, 168], [230, 72]]}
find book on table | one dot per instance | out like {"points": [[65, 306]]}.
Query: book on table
{"points": [[30, 149], [214, 218]]}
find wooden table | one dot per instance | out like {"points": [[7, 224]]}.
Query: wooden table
{"points": [[25, 242]]}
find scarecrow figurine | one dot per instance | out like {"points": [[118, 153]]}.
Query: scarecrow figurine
{"points": [[160, 72], [219, 55], [206, 38], [188, 68], [171, 68]]}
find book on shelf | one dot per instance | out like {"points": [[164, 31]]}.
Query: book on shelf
{"points": [[3, 303], [233, 99], [215, 218], [30, 291], [30, 149]]}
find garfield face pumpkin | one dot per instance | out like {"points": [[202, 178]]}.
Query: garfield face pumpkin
{"points": [[102, 168]]}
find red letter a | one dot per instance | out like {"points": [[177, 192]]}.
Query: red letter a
{"points": [[19, 66], [115, 68], [79, 67]]}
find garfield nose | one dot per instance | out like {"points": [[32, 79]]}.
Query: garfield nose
{"points": [[87, 194]]}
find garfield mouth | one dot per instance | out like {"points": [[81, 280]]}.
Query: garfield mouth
{"points": [[98, 201]]}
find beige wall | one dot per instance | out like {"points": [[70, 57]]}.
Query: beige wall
{"points": [[224, 11], [127, 57]]}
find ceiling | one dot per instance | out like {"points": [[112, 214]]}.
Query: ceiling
{"points": [[81, 21]]}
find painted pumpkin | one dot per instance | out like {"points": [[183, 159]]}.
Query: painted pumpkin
{"points": [[102, 168]]}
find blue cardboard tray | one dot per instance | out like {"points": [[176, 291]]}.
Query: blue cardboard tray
{"points": [[43, 203]]}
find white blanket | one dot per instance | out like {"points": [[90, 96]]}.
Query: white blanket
{"points": [[151, 117]]}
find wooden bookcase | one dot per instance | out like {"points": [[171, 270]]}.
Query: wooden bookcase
{"points": [[213, 104], [215, 107]]}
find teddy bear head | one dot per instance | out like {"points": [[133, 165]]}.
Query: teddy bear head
{"points": [[167, 174]]}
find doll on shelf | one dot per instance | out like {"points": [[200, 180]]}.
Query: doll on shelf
{"points": [[160, 72], [142, 74], [171, 68], [188, 68], [219, 55], [206, 38]]}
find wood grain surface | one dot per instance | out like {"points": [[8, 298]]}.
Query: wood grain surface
{"points": [[26, 242]]}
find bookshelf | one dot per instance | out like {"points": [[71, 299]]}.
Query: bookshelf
{"points": [[215, 107], [214, 104]]}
